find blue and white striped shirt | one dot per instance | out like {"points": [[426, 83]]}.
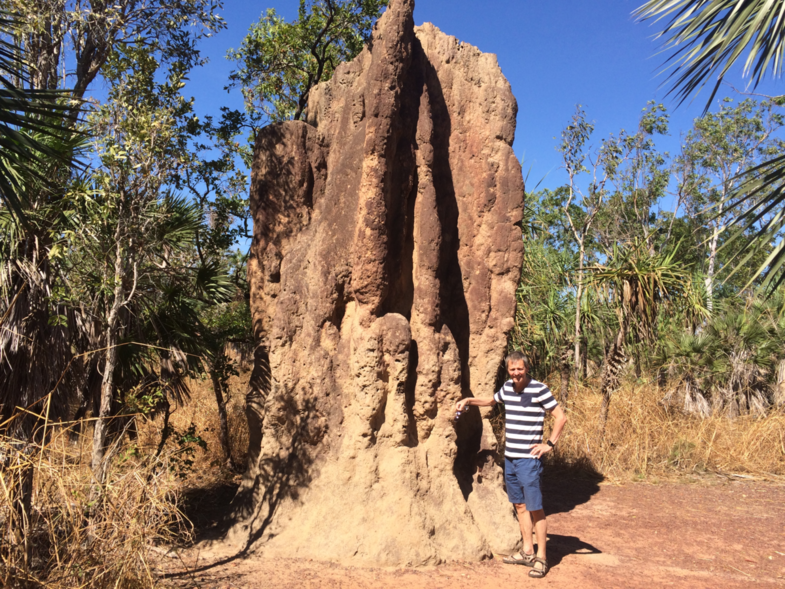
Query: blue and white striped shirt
{"points": [[524, 415]]}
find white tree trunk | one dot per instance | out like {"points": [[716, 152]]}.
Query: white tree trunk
{"points": [[578, 295]]}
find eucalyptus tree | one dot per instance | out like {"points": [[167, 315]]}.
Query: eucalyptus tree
{"points": [[144, 238], [68, 40], [714, 153], [581, 207], [48, 355], [639, 179]]}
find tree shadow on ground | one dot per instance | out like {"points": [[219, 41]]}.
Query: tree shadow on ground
{"points": [[208, 509], [216, 509]]}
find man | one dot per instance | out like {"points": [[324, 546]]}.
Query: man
{"points": [[525, 403]]}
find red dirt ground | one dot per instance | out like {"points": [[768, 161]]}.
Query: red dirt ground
{"points": [[706, 535]]}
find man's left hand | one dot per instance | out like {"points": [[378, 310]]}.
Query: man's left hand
{"points": [[539, 449]]}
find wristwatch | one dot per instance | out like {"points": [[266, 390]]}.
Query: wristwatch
{"points": [[549, 443]]}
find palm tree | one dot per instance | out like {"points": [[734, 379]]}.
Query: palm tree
{"points": [[731, 365], [37, 148], [706, 38]]}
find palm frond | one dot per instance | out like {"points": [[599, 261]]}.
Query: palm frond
{"points": [[709, 36], [762, 188], [25, 115]]}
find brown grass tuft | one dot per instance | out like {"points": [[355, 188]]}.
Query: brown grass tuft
{"points": [[209, 466], [78, 535], [644, 438]]}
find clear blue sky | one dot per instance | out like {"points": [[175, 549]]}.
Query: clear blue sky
{"points": [[555, 54]]}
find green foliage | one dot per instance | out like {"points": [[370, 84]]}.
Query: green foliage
{"points": [[181, 462], [706, 38], [637, 176], [279, 62], [638, 284], [641, 283], [34, 132], [730, 363]]}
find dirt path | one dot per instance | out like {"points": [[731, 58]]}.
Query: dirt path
{"points": [[636, 535]]}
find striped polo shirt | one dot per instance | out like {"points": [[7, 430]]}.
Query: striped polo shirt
{"points": [[524, 415]]}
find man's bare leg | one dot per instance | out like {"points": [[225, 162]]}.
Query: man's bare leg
{"points": [[541, 531], [525, 521]]}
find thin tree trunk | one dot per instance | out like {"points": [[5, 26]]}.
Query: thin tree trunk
{"points": [[578, 296], [107, 385], [712, 264], [221, 401], [564, 385]]}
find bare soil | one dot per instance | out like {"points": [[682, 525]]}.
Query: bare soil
{"points": [[714, 532]]}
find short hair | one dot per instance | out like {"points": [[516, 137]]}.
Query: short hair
{"points": [[517, 356]]}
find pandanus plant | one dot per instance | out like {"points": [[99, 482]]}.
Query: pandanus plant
{"points": [[637, 284]]}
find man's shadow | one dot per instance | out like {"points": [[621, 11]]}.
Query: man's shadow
{"points": [[567, 485], [560, 546], [564, 487]]}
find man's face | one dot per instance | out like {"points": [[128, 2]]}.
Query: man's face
{"points": [[517, 370]]}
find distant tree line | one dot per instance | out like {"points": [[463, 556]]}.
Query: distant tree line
{"points": [[612, 279]]}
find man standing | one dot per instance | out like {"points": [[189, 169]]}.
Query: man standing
{"points": [[526, 402]]}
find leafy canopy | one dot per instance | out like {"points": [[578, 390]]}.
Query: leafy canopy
{"points": [[279, 62]]}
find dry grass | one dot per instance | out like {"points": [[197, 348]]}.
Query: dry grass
{"points": [[77, 534], [644, 438], [201, 410]]}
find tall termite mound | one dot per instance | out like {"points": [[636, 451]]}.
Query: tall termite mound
{"points": [[383, 273]]}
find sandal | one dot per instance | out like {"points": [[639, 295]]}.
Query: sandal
{"points": [[536, 573], [526, 559]]}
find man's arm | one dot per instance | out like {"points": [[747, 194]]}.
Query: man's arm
{"points": [[463, 403], [558, 425]]}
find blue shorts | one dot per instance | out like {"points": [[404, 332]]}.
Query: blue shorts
{"points": [[522, 477]]}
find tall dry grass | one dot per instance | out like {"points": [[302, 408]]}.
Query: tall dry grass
{"points": [[209, 466], [644, 437], [79, 535]]}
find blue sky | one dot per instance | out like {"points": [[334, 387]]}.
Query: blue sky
{"points": [[555, 54]]}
